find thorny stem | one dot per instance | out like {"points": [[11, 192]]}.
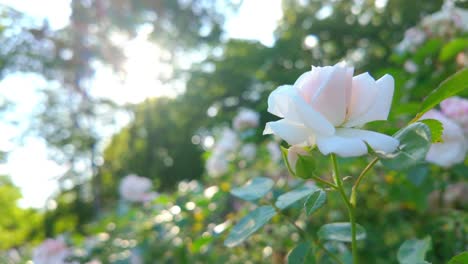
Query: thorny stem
{"points": [[349, 206]]}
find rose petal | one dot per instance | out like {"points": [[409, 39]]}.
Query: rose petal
{"points": [[280, 103], [342, 146], [381, 106], [291, 132], [363, 93], [378, 142], [330, 98], [312, 119]]}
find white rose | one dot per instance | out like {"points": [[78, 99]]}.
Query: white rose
{"points": [[325, 105], [246, 118], [453, 148], [134, 188], [51, 251]]}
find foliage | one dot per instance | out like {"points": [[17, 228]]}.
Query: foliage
{"points": [[262, 213]]}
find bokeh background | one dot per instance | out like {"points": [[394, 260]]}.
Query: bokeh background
{"points": [[94, 90]]}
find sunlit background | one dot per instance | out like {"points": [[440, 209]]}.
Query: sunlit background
{"points": [[36, 180], [128, 126]]}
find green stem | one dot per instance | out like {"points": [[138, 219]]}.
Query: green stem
{"points": [[359, 179], [329, 184], [352, 219], [349, 206]]}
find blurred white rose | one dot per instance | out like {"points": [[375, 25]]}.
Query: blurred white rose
{"points": [[274, 151], [246, 118], [453, 148], [410, 66], [248, 151], [227, 142], [324, 107], [443, 19], [217, 165], [51, 251], [293, 155], [413, 37], [456, 108], [134, 188]]}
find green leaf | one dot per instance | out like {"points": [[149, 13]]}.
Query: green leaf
{"points": [[287, 199], [301, 254], [414, 251], [249, 224], [436, 128], [284, 154], [315, 201], [417, 174], [305, 166], [415, 141], [451, 49], [340, 232], [254, 189], [459, 259], [450, 87]]}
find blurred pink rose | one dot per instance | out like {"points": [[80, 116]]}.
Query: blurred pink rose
{"points": [[325, 107], [456, 108], [51, 251], [453, 148]]}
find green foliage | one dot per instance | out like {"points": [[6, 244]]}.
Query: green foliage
{"points": [[450, 87], [415, 141], [459, 259], [17, 225], [315, 201], [340, 232], [156, 144], [414, 251], [301, 254], [436, 129], [249, 225], [254, 189], [305, 167], [290, 198], [451, 49]]}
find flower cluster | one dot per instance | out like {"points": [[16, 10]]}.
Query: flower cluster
{"points": [[445, 22], [246, 118], [51, 251], [453, 116], [325, 107], [134, 188]]}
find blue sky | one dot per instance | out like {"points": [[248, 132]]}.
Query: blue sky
{"points": [[28, 163]]}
